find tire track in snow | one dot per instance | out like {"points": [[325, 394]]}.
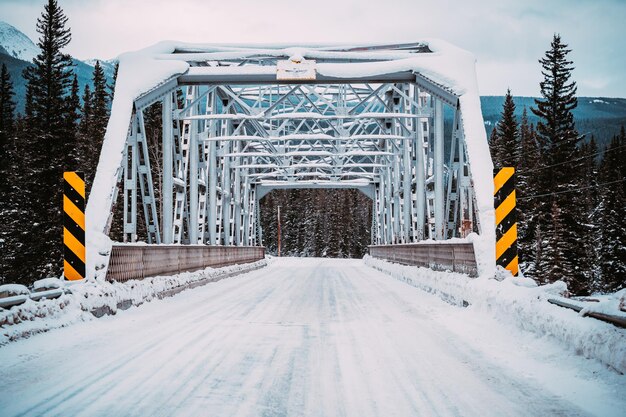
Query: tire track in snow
{"points": [[312, 337]]}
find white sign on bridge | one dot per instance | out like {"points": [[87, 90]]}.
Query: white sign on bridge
{"points": [[295, 70]]}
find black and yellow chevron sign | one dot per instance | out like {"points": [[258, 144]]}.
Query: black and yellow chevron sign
{"points": [[74, 225], [506, 219]]}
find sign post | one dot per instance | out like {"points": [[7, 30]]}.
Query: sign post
{"points": [[74, 225], [506, 219]]}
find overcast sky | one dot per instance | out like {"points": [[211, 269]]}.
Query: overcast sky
{"points": [[507, 36]]}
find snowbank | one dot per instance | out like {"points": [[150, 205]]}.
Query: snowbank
{"points": [[517, 302], [613, 304], [89, 298]]}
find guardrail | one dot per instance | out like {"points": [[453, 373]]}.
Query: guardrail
{"points": [[455, 257], [142, 261], [14, 300], [609, 318]]}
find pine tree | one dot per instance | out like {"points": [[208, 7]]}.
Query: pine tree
{"points": [[84, 132], [7, 115], [50, 77], [556, 247], [525, 187], [100, 102], [556, 132], [44, 137], [8, 171], [96, 106], [114, 81], [494, 148], [557, 177], [85, 120], [622, 158], [508, 135], [613, 217], [590, 222], [72, 149]]}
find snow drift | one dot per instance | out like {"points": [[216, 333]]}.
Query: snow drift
{"points": [[524, 306]]}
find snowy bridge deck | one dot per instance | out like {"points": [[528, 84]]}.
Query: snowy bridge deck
{"points": [[301, 337]]}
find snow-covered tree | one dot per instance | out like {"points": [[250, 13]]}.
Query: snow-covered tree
{"points": [[7, 114], [590, 222], [507, 145], [613, 216], [558, 179], [50, 76], [494, 148], [526, 187], [72, 117], [95, 118], [111, 86], [44, 136]]}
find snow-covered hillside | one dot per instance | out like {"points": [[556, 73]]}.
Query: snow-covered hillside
{"points": [[16, 44], [106, 64]]}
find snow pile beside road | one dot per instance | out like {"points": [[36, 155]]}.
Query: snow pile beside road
{"points": [[87, 299], [520, 304]]}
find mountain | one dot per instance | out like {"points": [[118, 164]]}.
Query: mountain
{"points": [[107, 65], [601, 117], [16, 44], [17, 52]]}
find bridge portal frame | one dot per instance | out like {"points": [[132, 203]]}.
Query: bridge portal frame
{"points": [[221, 153], [231, 139]]}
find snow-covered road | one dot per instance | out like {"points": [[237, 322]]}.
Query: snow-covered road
{"points": [[301, 337]]}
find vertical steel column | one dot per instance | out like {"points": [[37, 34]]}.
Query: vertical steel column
{"points": [[396, 197], [193, 177], [438, 171], [374, 235], [130, 184], [167, 208], [212, 206], [144, 174], [451, 190], [388, 208], [393, 128], [227, 188], [407, 177], [246, 211], [462, 183], [420, 187], [237, 212], [257, 219], [380, 200]]}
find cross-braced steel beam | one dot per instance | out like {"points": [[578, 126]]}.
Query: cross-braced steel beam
{"points": [[229, 140]]}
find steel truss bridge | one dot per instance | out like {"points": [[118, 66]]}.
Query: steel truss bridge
{"points": [[239, 122]]}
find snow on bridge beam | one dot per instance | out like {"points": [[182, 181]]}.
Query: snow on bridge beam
{"points": [[226, 76]]}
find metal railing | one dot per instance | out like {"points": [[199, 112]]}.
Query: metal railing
{"points": [[142, 261], [455, 257], [618, 321]]}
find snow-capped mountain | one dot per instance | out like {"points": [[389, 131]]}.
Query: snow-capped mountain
{"points": [[17, 52], [108, 65], [16, 44]]}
